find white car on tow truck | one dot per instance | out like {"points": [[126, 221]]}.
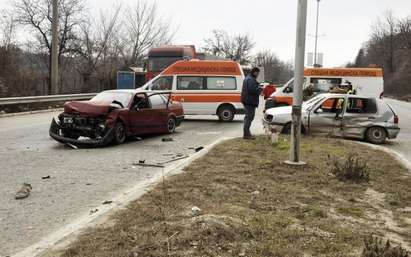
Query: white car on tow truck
{"points": [[339, 115]]}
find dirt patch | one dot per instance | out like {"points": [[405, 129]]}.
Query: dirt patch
{"points": [[251, 204]]}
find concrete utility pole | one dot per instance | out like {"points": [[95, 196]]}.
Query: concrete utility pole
{"points": [[298, 84], [55, 50], [316, 34]]}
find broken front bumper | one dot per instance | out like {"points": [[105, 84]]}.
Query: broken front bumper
{"points": [[56, 133]]}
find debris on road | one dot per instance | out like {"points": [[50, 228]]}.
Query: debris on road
{"points": [[167, 139], [161, 164], [88, 184], [93, 211], [107, 202], [149, 165], [24, 191], [177, 158], [195, 211], [46, 177], [71, 146], [141, 161], [198, 149]]}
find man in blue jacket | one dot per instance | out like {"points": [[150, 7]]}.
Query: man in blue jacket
{"points": [[250, 97]]}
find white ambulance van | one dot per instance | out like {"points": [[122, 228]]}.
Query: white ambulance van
{"points": [[203, 87], [366, 82]]}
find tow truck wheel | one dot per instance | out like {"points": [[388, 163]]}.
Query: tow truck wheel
{"points": [[119, 133], [171, 125], [226, 113], [376, 135]]}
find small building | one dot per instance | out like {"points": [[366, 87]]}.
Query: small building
{"points": [[132, 78]]}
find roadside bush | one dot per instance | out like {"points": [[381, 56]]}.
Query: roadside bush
{"points": [[375, 247], [353, 168]]}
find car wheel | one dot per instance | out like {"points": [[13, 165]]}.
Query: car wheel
{"points": [[376, 135], [226, 113], [287, 129], [119, 133], [171, 125]]}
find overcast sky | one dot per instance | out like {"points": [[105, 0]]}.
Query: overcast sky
{"points": [[344, 24]]}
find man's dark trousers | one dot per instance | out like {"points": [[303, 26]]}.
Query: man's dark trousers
{"points": [[248, 119]]}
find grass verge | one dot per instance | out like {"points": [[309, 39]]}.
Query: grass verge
{"points": [[252, 204]]}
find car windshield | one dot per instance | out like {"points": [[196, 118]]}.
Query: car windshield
{"points": [[123, 98], [313, 101]]}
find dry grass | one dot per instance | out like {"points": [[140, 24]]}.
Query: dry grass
{"points": [[254, 205]]}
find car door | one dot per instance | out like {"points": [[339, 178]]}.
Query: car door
{"points": [[326, 118], [159, 113], [140, 116], [359, 115]]}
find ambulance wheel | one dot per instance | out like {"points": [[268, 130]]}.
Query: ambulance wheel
{"points": [[226, 113]]}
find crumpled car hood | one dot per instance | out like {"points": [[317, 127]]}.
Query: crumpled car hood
{"points": [[88, 108]]}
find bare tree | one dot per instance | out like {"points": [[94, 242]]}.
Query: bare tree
{"points": [[236, 47], [144, 28], [404, 27], [275, 70], [97, 41], [7, 29], [37, 15], [383, 39]]}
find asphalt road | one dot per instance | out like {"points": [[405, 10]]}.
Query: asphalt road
{"points": [[80, 179], [403, 143]]}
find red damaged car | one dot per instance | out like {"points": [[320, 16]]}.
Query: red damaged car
{"points": [[112, 116]]}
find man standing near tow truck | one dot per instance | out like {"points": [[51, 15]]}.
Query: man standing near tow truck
{"points": [[250, 97]]}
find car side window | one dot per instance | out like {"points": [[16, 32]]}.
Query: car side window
{"points": [[157, 101], [361, 105], [332, 105], [190, 83], [141, 102], [162, 83]]}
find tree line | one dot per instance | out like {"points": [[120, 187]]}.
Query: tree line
{"points": [[92, 48], [389, 47]]}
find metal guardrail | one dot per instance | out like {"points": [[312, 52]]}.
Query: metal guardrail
{"points": [[44, 99]]}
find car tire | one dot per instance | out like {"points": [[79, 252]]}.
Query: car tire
{"points": [[171, 125], [376, 135], [120, 134], [226, 113], [286, 129]]}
